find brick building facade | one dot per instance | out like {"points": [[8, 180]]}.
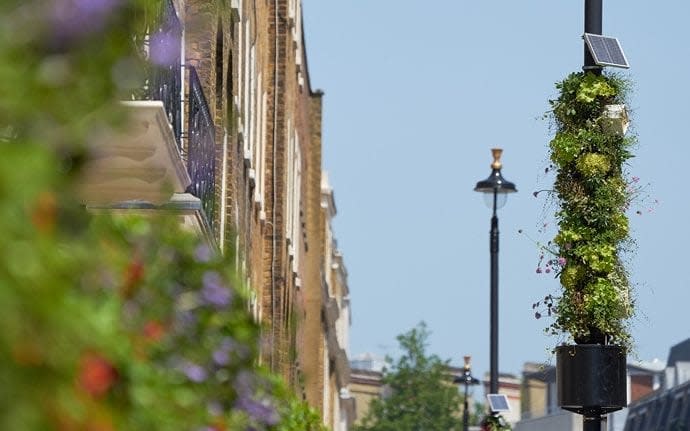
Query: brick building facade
{"points": [[238, 134], [251, 59]]}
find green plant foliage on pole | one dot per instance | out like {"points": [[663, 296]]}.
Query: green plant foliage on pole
{"points": [[593, 194], [419, 393]]}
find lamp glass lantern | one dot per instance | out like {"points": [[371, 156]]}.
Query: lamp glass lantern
{"points": [[495, 188]]}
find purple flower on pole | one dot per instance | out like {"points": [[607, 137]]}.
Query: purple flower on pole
{"points": [[194, 372], [562, 261], [539, 271], [548, 270], [164, 48], [214, 292]]}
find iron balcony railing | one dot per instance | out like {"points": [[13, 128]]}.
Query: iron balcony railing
{"points": [[166, 83], [200, 148], [165, 58]]}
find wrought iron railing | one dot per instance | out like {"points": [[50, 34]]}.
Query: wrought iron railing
{"points": [[200, 147], [166, 83], [165, 57]]}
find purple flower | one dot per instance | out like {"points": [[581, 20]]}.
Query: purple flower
{"points": [[203, 253], [562, 261], [164, 48], [185, 320], [261, 411], [214, 292], [635, 179], [539, 271], [548, 270], [244, 383], [73, 18], [221, 357], [194, 372]]}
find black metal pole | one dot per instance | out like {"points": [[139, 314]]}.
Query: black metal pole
{"points": [[493, 373], [591, 423], [593, 25], [465, 413]]}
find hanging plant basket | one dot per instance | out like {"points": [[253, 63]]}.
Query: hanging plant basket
{"points": [[591, 378], [589, 154]]}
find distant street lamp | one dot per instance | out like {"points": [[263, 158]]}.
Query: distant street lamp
{"points": [[495, 189], [468, 380]]}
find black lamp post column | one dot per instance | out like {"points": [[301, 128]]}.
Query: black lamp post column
{"points": [[495, 189], [493, 351], [591, 421], [468, 380], [593, 25]]}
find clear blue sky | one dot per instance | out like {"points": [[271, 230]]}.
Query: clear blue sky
{"points": [[416, 93]]}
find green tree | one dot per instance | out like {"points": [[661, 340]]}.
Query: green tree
{"points": [[420, 394]]}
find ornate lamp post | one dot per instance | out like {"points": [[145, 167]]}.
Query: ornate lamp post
{"points": [[495, 190], [468, 380]]}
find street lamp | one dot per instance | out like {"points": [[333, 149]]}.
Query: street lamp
{"points": [[468, 380], [495, 189]]}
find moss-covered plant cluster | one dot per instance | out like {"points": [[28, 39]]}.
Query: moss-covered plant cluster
{"points": [[593, 196], [495, 423]]}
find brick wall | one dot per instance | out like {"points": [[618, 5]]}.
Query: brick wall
{"points": [[640, 386], [252, 66]]}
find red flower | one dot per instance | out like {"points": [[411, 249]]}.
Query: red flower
{"points": [[153, 330], [133, 276], [96, 374]]}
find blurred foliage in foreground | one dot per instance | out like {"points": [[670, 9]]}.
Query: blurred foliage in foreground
{"points": [[108, 323]]}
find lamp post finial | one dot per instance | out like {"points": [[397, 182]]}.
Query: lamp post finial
{"points": [[496, 152]]}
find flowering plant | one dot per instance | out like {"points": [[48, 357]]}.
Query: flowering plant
{"points": [[593, 195], [108, 323]]}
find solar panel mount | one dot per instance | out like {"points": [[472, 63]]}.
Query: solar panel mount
{"points": [[606, 51], [498, 402]]}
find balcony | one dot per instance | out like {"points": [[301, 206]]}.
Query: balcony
{"points": [[153, 163]]}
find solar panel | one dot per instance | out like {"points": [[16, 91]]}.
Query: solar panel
{"points": [[606, 51], [498, 402]]}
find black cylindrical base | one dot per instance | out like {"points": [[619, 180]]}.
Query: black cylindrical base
{"points": [[591, 379], [591, 423]]}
